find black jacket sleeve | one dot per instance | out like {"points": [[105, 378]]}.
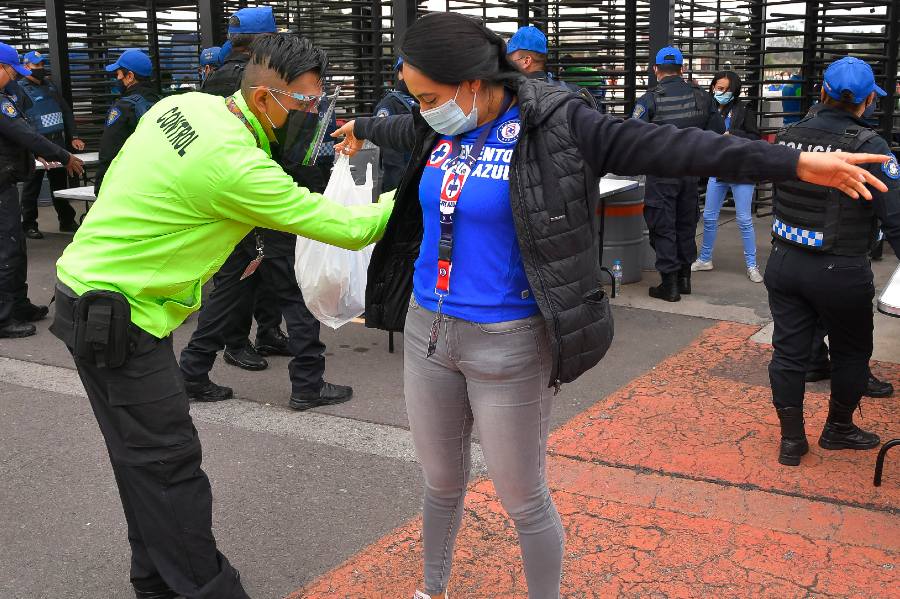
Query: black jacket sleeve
{"points": [[886, 205], [18, 132], [743, 124], [394, 132], [632, 147], [113, 138]]}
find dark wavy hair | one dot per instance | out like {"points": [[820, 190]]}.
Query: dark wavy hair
{"points": [[734, 82], [451, 48]]}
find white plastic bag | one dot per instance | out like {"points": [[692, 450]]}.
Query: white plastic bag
{"points": [[332, 279]]}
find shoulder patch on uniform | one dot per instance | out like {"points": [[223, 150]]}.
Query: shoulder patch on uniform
{"points": [[383, 112], [639, 110], [891, 168], [113, 115], [9, 109]]}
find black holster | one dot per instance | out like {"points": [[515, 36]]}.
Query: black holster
{"points": [[101, 323]]}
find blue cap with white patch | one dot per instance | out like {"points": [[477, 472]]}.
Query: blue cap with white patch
{"points": [[528, 38], [8, 55], [669, 55], [258, 19], [210, 56], [850, 75], [133, 60], [35, 57]]}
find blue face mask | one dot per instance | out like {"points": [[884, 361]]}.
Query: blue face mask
{"points": [[869, 111], [723, 98], [449, 118]]}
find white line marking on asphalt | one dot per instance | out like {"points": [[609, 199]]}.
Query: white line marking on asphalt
{"points": [[354, 435]]}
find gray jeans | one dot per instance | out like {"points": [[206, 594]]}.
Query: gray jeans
{"points": [[495, 376]]}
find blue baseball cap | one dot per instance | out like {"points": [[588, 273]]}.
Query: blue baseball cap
{"points": [[669, 55], [35, 57], [8, 55], [528, 38], [258, 19], [133, 60], [398, 64], [853, 75], [225, 51], [210, 56]]}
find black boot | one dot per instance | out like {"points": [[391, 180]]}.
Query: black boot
{"points": [[272, 342], [877, 388], [13, 329], [207, 391], [156, 594], [840, 432], [793, 436], [668, 289], [328, 395], [245, 357], [684, 280]]}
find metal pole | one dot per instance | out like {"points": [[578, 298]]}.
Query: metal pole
{"points": [[210, 21], [59, 48], [893, 48], [757, 36], [404, 15], [631, 65], [153, 42], [662, 29], [524, 13], [810, 37]]}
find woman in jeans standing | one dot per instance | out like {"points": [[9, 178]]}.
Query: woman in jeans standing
{"points": [[493, 235], [740, 121]]}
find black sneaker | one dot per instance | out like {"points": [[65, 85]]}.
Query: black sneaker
{"points": [[272, 342], [16, 330], [876, 388], [33, 233], [246, 357], [28, 312], [329, 395], [207, 391], [69, 227]]}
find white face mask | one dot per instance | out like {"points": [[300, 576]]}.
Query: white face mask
{"points": [[449, 118]]}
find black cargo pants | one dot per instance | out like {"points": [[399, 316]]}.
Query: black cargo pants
{"points": [[672, 211], [13, 259], [156, 456]]}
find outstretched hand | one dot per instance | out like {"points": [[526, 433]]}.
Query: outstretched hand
{"points": [[350, 144], [839, 170]]}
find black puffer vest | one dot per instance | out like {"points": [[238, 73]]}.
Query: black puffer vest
{"points": [[554, 199]]}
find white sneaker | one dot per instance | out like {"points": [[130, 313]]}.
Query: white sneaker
{"points": [[754, 274], [701, 265], [421, 595]]}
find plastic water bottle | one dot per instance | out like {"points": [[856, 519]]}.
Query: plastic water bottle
{"points": [[617, 276]]}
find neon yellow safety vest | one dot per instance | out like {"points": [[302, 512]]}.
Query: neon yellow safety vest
{"points": [[187, 186]]}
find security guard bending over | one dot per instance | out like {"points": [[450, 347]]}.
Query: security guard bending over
{"points": [[132, 71], [527, 51], [671, 206], [396, 101], [52, 117], [192, 181], [210, 60], [19, 144], [819, 268]]}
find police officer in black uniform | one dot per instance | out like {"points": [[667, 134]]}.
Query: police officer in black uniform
{"points": [[819, 268], [132, 70], [527, 51], [19, 144], [244, 26], [52, 117], [210, 60], [396, 101], [671, 206]]}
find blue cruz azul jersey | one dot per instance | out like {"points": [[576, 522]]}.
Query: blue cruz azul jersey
{"points": [[489, 282]]}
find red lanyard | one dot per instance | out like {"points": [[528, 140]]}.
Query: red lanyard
{"points": [[461, 165]]}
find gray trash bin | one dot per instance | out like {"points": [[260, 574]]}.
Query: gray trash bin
{"points": [[623, 237]]}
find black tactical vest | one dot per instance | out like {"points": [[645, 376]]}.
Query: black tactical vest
{"points": [[689, 109], [226, 80], [823, 219]]}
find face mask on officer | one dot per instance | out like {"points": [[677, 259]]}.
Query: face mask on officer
{"points": [[300, 124], [124, 80], [869, 112], [449, 118]]}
